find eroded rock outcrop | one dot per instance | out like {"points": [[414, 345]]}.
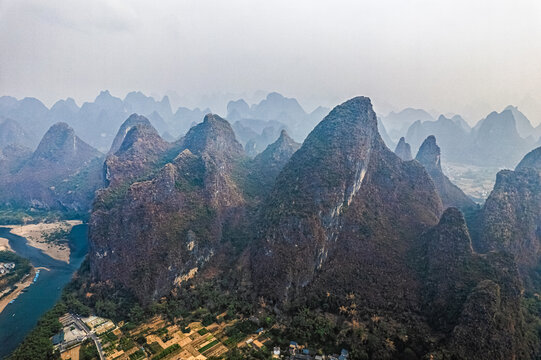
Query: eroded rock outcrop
{"points": [[403, 150], [429, 156], [268, 164]]}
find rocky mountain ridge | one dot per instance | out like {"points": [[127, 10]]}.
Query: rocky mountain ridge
{"points": [[171, 222]]}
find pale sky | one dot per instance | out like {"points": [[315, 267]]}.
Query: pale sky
{"points": [[460, 56]]}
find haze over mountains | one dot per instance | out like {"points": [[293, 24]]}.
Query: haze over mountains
{"points": [[25, 121], [429, 156], [379, 199], [61, 174], [500, 139], [337, 218], [300, 225]]}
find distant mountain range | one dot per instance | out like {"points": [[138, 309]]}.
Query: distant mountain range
{"points": [[500, 139], [12, 133], [258, 125], [25, 121], [497, 140], [97, 122]]}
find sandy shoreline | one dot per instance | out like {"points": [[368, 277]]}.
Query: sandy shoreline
{"points": [[36, 233], [20, 286], [4, 244]]}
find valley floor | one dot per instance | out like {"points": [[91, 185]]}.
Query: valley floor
{"points": [[158, 338], [476, 181], [161, 339]]}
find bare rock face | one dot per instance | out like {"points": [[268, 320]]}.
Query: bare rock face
{"points": [[327, 224], [403, 150], [151, 235], [451, 195]]}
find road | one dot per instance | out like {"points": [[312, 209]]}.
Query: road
{"points": [[92, 335]]}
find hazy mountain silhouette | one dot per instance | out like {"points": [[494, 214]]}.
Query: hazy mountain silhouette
{"points": [[403, 150], [98, 121], [453, 138], [497, 142], [429, 156], [397, 123], [12, 133], [61, 174], [259, 124]]}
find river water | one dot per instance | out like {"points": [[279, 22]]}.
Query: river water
{"points": [[19, 318]]}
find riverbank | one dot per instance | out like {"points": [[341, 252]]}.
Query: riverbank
{"points": [[20, 286], [18, 319], [38, 236], [4, 244]]}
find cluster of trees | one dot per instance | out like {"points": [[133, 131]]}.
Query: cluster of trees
{"points": [[58, 236], [342, 324], [246, 353], [88, 351], [21, 215], [531, 310], [22, 267], [37, 345]]}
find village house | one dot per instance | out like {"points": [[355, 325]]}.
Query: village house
{"points": [[6, 267]]}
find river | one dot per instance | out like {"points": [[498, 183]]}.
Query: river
{"points": [[19, 318]]}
